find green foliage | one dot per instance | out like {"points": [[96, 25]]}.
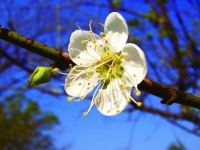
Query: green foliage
{"points": [[164, 33], [116, 3], [22, 124], [152, 17], [149, 35], [134, 39], [133, 22], [178, 146]]}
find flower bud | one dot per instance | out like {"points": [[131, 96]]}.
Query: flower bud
{"points": [[40, 75]]}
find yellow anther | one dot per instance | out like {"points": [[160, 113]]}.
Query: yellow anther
{"points": [[79, 84], [134, 75], [137, 93], [123, 87], [70, 65], [80, 98], [88, 83], [67, 77], [83, 42], [70, 99], [78, 56], [128, 100], [85, 114], [74, 69], [55, 70], [88, 74], [90, 31], [118, 111], [139, 104], [102, 34], [90, 21]]}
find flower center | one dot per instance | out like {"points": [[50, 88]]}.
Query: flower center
{"points": [[111, 67]]}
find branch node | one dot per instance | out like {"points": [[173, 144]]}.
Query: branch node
{"points": [[28, 41]]}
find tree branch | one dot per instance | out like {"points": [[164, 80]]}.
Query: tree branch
{"points": [[169, 95], [62, 61]]}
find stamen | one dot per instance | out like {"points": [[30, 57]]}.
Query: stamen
{"points": [[132, 80], [102, 34], [118, 111], [123, 87], [70, 99], [137, 92], [90, 26], [88, 74], [133, 100], [85, 51], [82, 30], [92, 101], [74, 69], [105, 30], [128, 100], [63, 73], [83, 42], [55, 70], [70, 65], [109, 70], [85, 114], [139, 104]]}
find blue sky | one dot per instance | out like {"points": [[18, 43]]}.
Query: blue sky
{"points": [[126, 131]]}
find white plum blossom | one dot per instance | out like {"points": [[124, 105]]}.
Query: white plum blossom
{"points": [[107, 64]]}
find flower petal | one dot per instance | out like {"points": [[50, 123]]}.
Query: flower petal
{"points": [[113, 99], [117, 29], [78, 84], [77, 51], [134, 62]]}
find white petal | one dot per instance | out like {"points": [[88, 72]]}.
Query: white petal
{"points": [[77, 51], [134, 62], [112, 99], [117, 29], [77, 84]]}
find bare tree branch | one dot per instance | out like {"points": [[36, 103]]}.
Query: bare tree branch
{"points": [[61, 59]]}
